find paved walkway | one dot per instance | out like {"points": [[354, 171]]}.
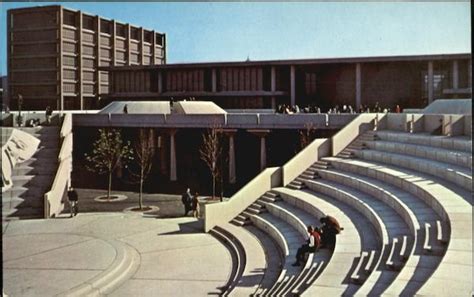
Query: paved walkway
{"points": [[116, 254]]}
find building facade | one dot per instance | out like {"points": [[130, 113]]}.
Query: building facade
{"points": [[410, 81], [54, 54]]}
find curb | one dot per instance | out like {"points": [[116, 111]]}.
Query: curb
{"points": [[125, 265]]}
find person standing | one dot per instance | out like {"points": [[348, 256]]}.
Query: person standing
{"points": [[397, 109], [125, 109], [48, 114], [195, 205], [73, 200], [186, 200]]}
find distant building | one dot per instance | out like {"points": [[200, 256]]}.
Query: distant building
{"points": [[54, 52], [410, 81], [4, 92]]}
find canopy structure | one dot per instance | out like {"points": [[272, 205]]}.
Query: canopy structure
{"points": [[163, 107]]}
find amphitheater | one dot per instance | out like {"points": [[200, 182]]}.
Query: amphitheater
{"points": [[399, 184]]}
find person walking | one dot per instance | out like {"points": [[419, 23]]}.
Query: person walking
{"points": [[73, 200], [310, 246], [195, 205], [186, 200]]}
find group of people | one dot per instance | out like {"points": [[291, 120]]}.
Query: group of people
{"points": [[345, 108], [190, 203], [323, 237]]}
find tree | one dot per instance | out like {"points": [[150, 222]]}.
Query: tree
{"points": [[109, 151], [210, 151], [306, 135], [144, 150]]}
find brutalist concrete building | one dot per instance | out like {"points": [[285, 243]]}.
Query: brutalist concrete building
{"points": [[54, 54]]}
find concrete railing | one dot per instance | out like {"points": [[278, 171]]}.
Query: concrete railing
{"points": [[54, 198], [361, 124], [223, 212], [298, 164], [242, 120]]}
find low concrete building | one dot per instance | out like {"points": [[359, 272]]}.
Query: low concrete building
{"points": [[409, 81]]}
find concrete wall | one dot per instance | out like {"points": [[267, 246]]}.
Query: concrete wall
{"points": [[468, 125], [432, 123], [319, 148], [397, 122], [224, 212]]}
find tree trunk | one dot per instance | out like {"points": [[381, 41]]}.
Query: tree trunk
{"points": [[141, 190], [213, 187], [110, 185]]}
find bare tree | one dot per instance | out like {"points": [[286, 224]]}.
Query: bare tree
{"points": [[107, 154], [307, 135], [144, 151], [211, 151]]}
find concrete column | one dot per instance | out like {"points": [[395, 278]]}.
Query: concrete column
{"points": [[160, 82], [173, 176], [430, 82], [263, 149], [273, 86], [263, 153], [358, 85], [214, 80], [293, 86], [232, 176], [469, 70], [455, 74]]}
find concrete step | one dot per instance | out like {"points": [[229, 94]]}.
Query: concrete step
{"points": [[26, 192], [43, 169], [20, 202], [24, 213], [32, 180]]}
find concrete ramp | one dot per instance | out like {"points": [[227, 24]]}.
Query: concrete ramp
{"points": [[449, 106], [136, 107], [197, 107]]}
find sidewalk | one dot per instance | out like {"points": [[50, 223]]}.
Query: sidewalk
{"points": [[113, 253]]}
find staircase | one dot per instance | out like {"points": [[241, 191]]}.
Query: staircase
{"points": [[32, 178]]}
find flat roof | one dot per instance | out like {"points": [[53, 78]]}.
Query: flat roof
{"points": [[297, 61]]}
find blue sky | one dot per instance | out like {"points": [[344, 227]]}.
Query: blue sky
{"points": [[198, 32]]}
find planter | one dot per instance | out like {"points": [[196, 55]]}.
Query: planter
{"points": [[113, 198]]}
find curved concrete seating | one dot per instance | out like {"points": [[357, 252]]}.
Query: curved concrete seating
{"points": [[399, 243], [457, 158], [415, 212], [289, 241], [273, 259], [254, 265], [237, 254], [454, 207], [299, 219], [348, 247], [457, 143], [460, 176]]}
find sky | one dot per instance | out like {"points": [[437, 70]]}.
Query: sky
{"points": [[233, 31]]}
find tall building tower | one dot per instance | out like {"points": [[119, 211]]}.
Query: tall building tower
{"points": [[54, 54]]}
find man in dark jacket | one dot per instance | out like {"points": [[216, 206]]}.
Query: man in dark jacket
{"points": [[72, 197], [186, 199]]}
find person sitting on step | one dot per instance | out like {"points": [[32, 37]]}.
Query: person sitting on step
{"points": [[329, 230], [310, 246]]}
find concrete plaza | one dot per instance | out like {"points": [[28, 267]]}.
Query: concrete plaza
{"points": [[113, 253]]}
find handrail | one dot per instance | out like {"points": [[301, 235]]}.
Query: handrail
{"points": [[67, 125]]}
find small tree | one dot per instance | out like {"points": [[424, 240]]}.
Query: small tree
{"points": [[306, 135], [210, 151], [144, 150], [108, 152]]}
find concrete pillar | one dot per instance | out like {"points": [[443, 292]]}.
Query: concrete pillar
{"points": [[469, 70], [273, 86], [263, 153], [455, 74], [232, 176], [430, 82], [173, 176], [160, 82], [292, 84], [214, 80], [358, 86], [263, 149]]}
